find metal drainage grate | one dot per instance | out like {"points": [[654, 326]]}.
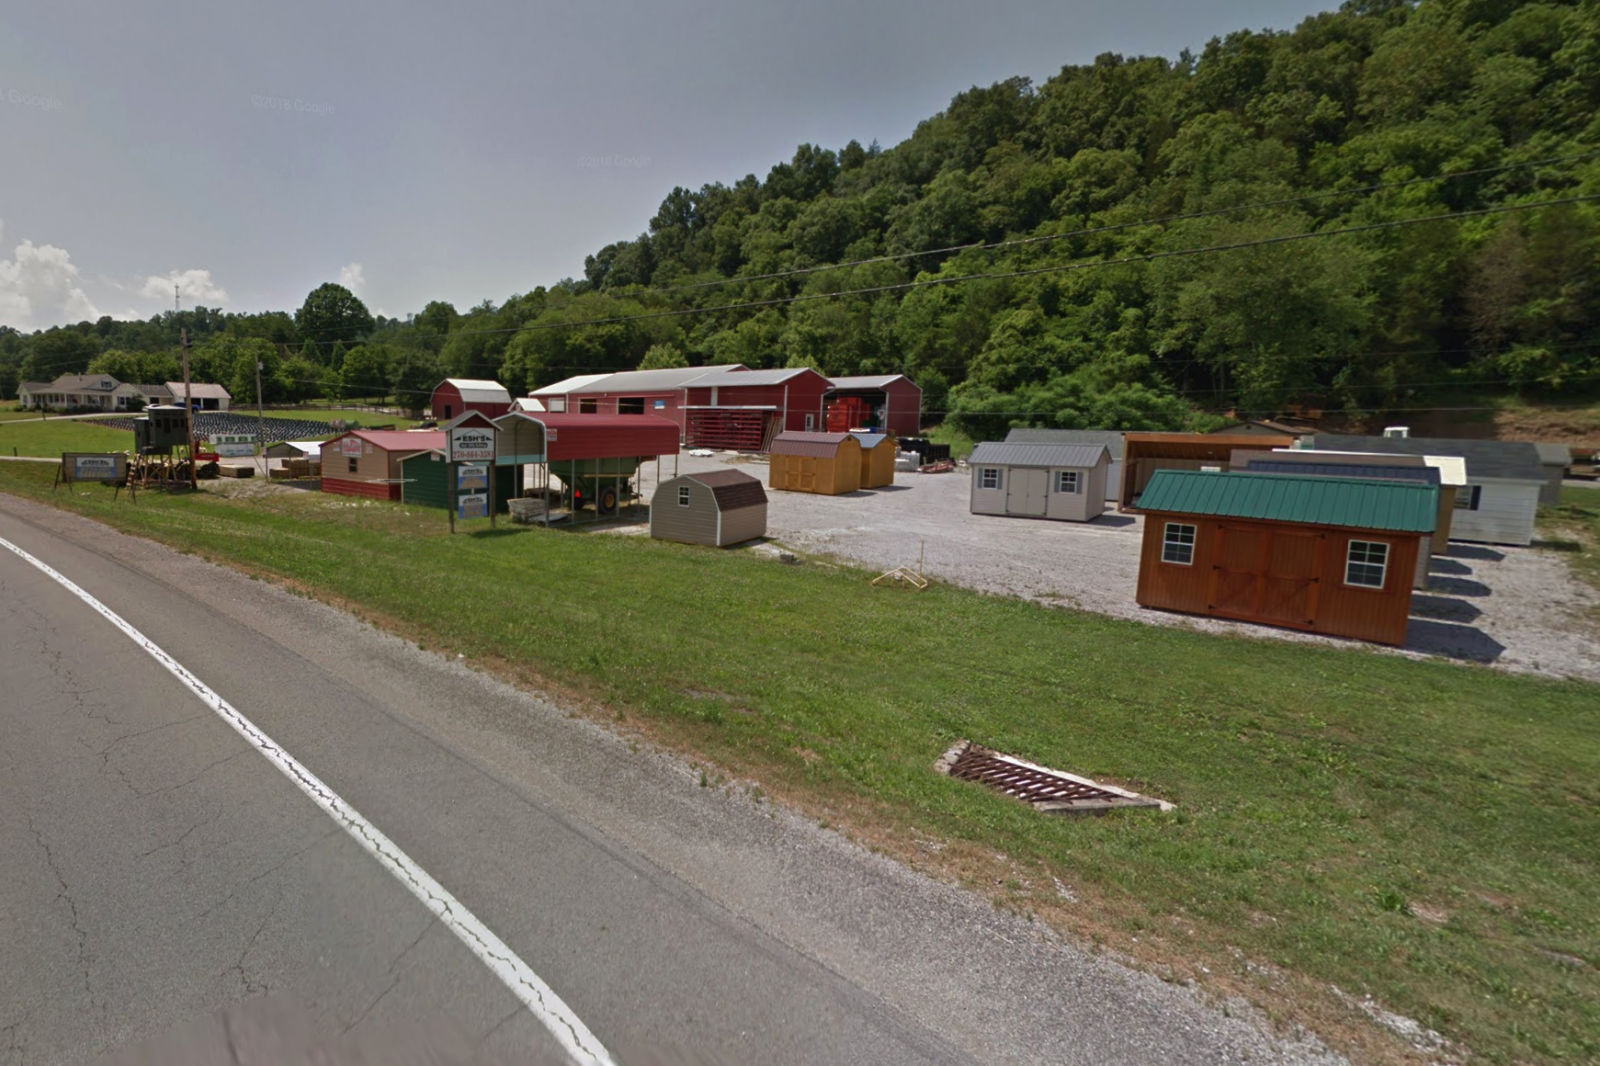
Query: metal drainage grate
{"points": [[1040, 787]]}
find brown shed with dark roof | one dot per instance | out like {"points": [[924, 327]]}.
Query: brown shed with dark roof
{"points": [[716, 508]]}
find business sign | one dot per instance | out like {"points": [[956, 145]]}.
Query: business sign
{"points": [[233, 445], [472, 444], [472, 476], [110, 467], [474, 506], [661, 405], [350, 447]]}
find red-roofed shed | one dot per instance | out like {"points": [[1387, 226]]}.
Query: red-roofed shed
{"points": [[366, 462]]}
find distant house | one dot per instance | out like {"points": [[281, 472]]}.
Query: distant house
{"points": [[717, 508], [454, 397], [1061, 481], [203, 395], [1498, 503], [74, 392], [1111, 438], [1264, 427]]}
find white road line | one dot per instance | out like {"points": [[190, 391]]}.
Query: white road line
{"points": [[540, 999]]}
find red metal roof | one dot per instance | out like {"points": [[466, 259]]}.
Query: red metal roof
{"points": [[579, 436], [391, 440]]}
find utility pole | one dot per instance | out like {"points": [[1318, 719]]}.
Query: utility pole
{"points": [[188, 413], [261, 422]]}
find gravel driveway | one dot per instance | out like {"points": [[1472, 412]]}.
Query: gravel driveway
{"points": [[1516, 608]]}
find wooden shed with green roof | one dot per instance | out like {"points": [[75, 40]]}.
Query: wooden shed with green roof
{"points": [[1323, 554]]}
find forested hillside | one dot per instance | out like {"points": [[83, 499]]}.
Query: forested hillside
{"points": [[1024, 255]]}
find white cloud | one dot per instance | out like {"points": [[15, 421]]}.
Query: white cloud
{"points": [[350, 277], [195, 286], [39, 287]]}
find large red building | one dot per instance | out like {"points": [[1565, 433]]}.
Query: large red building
{"points": [[633, 392], [894, 401], [745, 409]]}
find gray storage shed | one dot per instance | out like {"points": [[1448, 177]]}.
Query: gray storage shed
{"points": [[1066, 482], [1504, 478], [718, 508], [1111, 438], [1555, 458]]}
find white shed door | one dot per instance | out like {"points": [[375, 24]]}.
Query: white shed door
{"points": [[1026, 490]]}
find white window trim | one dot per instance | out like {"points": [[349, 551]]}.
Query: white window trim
{"points": [[1077, 482], [1383, 567], [683, 495], [1190, 544], [983, 478]]}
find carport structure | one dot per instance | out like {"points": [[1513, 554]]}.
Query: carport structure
{"points": [[599, 452]]}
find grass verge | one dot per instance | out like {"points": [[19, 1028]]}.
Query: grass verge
{"points": [[1419, 832], [52, 437], [1573, 527]]}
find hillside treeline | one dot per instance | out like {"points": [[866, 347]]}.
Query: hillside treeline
{"points": [[1018, 254]]}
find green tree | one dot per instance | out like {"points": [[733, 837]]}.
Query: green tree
{"points": [[333, 313], [663, 357], [366, 372]]}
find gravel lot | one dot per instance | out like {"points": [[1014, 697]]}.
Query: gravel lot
{"points": [[1515, 608]]}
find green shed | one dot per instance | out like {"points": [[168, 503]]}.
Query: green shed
{"points": [[427, 481]]}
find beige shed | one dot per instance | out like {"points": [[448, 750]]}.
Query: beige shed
{"points": [[1066, 482], [718, 508]]}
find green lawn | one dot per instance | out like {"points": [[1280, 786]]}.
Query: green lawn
{"points": [[1421, 832], [1573, 526], [54, 436]]}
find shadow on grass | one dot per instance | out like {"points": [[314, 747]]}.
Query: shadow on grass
{"points": [[1460, 642], [1558, 545]]}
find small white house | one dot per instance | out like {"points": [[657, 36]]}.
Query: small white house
{"points": [[1066, 482]]}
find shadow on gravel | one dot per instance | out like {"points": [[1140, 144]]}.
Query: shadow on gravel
{"points": [[1459, 586], [1113, 521], [1448, 566], [1465, 643], [1444, 608], [1475, 551]]}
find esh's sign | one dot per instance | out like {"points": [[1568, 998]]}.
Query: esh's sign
{"points": [[472, 444], [474, 506]]}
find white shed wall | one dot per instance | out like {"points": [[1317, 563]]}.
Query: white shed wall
{"points": [[1505, 512]]}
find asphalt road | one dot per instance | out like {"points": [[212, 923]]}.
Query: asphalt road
{"points": [[161, 880]]}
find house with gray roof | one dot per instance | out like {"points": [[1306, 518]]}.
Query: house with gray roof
{"points": [[1066, 482], [1498, 503]]}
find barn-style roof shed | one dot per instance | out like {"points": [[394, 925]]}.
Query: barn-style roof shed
{"points": [[717, 507], [825, 463]]}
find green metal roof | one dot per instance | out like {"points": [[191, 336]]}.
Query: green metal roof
{"points": [[1407, 507]]}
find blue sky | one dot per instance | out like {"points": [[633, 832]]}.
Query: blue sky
{"points": [[252, 151]]}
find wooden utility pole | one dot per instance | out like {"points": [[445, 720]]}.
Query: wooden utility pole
{"points": [[188, 414], [261, 422]]}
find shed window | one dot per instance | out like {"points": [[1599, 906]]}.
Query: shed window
{"points": [[1467, 497], [1067, 481], [588, 407], [683, 495], [1366, 563], [989, 477], [1177, 544], [630, 405], [353, 466]]}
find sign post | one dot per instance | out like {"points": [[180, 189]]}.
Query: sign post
{"points": [[470, 449]]}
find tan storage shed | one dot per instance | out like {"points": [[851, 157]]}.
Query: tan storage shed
{"points": [[1066, 482], [718, 508], [877, 459], [824, 463]]}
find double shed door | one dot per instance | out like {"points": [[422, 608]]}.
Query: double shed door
{"points": [[1027, 491], [1266, 574]]}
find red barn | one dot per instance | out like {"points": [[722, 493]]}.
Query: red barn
{"points": [[745, 409], [632, 392], [454, 397], [894, 402], [366, 462]]}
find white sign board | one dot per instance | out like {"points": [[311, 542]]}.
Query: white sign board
{"points": [[233, 445], [474, 506], [350, 446], [472, 444], [94, 468]]}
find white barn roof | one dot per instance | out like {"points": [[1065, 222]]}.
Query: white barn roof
{"points": [[476, 390]]}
